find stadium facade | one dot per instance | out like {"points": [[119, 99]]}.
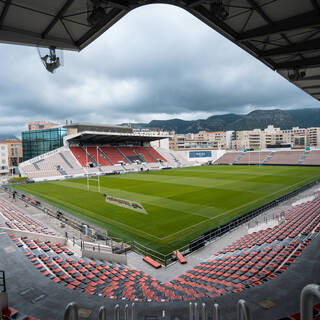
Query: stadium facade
{"points": [[81, 149]]}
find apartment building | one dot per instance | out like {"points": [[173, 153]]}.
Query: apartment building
{"points": [[11, 155], [248, 139], [270, 137], [41, 125], [313, 137], [4, 162], [199, 141]]}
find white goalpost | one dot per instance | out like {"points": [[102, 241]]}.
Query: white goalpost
{"points": [[94, 178]]}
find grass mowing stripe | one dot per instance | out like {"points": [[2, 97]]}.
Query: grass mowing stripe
{"points": [[227, 212], [228, 184], [203, 211], [177, 212]]}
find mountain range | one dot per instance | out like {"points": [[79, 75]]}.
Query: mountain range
{"points": [[258, 119], [8, 137]]}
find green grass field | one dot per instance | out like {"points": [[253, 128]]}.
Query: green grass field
{"points": [[181, 204]]}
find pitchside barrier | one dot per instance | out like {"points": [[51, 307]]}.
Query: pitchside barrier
{"points": [[121, 246]]}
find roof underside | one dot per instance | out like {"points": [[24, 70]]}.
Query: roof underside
{"points": [[283, 34], [88, 138]]}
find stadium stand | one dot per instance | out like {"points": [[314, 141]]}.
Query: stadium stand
{"points": [[15, 219], [285, 157], [80, 155], [228, 158], [93, 155], [253, 158], [312, 158], [130, 154], [300, 219], [183, 161], [169, 156], [145, 154], [249, 262], [135, 284], [75, 161], [294, 157], [155, 155], [113, 154], [57, 163], [72, 164]]}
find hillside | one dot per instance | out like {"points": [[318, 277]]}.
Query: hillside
{"points": [[285, 119]]}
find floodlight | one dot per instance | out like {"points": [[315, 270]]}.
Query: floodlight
{"points": [[220, 9], [52, 60], [96, 11], [296, 74]]}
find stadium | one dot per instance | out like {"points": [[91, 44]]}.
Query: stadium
{"points": [[112, 224]]}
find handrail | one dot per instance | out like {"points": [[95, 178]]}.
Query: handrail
{"points": [[71, 309], [196, 311], [243, 311], [102, 313], [204, 311], [117, 312], [126, 312], [133, 311], [216, 312], [306, 300], [190, 311]]}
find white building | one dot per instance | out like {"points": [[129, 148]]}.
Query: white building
{"points": [[4, 162]]}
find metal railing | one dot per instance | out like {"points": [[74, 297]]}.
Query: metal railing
{"points": [[307, 296], [197, 311], [200, 311], [71, 312], [243, 311]]}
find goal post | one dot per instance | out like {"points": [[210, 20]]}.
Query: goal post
{"points": [[94, 178]]}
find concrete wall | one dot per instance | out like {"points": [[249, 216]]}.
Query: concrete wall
{"points": [[163, 143], [101, 252], [74, 247]]}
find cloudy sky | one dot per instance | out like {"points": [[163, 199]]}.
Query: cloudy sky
{"points": [[158, 62]]}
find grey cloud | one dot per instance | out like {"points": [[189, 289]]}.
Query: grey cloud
{"points": [[158, 61]]}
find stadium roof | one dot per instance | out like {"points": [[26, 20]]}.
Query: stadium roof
{"points": [[90, 137], [91, 126], [283, 34]]}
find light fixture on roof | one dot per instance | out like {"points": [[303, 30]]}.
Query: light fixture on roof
{"points": [[296, 74], [52, 60], [220, 9], [96, 11]]}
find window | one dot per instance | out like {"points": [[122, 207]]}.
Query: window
{"points": [[3, 154], [3, 148], [3, 161], [38, 142]]}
